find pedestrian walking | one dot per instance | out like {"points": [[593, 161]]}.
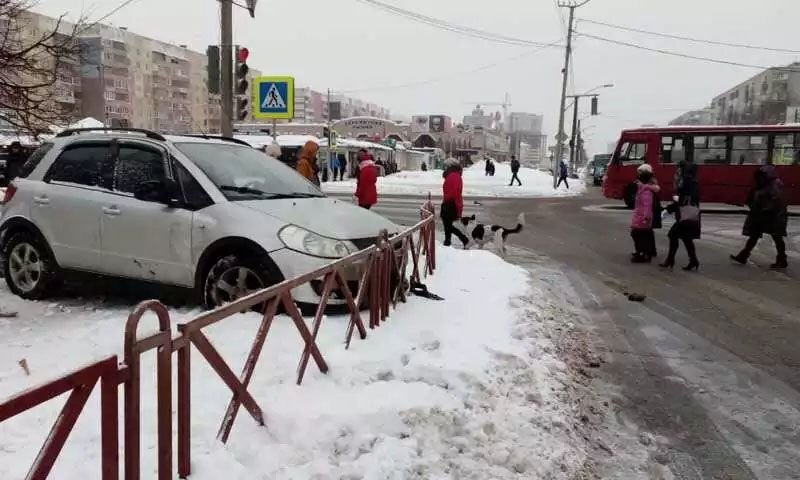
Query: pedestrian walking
{"points": [[335, 166], [768, 215], [273, 150], [452, 202], [514, 171], [342, 165], [646, 216], [366, 188], [307, 165], [686, 208], [563, 174], [488, 168]]}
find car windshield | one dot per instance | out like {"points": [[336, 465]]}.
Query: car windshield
{"points": [[242, 173]]}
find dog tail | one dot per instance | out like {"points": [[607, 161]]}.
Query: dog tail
{"points": [[508, 231]]}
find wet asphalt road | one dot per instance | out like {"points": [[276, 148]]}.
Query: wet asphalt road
{"points": [[708, 364]]}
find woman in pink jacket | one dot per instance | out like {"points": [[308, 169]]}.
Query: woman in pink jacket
{"points": [[644, 219]]}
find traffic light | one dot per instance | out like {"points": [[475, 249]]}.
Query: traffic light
{"points": [[594, 105], [242, 88]]}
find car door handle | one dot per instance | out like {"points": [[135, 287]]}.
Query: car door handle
{"points": [[113, 211], [42, 200]]}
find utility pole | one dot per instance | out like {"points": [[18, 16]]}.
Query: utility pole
{"points": [[226, 66], [565, 77], [573, 139], [572, 5]]}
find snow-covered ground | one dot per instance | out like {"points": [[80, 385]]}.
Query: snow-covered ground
{"points": [[467, 388], [476, 183]]}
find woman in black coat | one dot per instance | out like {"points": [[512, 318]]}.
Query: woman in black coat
{"points": [[768, 215], [686, 209]]}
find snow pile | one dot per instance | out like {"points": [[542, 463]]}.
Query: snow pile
{"points": [[476, 184], [467, 388]]}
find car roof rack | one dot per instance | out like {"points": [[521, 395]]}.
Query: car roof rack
{"points": [[148, 133], [218, 137]]}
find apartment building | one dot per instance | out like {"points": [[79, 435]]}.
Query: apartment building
{"points": [[134, 81], [127, 80], [771, 97], [704, 116], [29, 28]]}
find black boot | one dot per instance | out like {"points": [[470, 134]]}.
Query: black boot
{"points": [[740, 258], [780, 263]]}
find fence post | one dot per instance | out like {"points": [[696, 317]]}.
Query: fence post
{"points": [[109, 423], [184, 408], [133, 392]]}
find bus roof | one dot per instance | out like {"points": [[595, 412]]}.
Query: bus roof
{"points": [[789, 127]]}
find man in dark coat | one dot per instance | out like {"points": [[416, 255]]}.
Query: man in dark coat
{"points": [[768, 215], [16, 159], [514, 171]]}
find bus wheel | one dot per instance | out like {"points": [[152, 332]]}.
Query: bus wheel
{"points": [[630, 195]]}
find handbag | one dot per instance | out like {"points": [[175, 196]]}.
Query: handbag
{"points": [[690, 213]]}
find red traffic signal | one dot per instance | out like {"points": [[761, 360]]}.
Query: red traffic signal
{"points": [[244, 54]]}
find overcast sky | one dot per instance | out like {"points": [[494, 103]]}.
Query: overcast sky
{"points": [[347, 45]]}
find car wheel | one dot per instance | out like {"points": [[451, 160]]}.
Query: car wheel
{"points": [[234, 276], [630, 195], [30, 270]]}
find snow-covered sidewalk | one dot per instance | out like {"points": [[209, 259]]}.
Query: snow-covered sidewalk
{"points": [[476, 183], [466, 388]]}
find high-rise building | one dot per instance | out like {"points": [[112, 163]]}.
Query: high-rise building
{"points": [[134, 81], [27, 29]]}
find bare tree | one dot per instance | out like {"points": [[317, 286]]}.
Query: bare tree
{"points": [[31, 62]]}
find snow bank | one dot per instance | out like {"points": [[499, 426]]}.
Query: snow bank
{"points": [[467, 388], [476, 183]]}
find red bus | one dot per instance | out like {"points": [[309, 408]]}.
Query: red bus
{"points": [[727, 157]]}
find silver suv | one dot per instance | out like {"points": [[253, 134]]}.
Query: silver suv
{"points": [[210, 214]]}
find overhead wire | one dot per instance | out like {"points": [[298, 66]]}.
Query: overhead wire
{"points": [[453, 27], [110, 13], [684, 55], [451, 75], [688, 39]]}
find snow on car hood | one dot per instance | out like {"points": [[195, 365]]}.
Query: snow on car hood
{"points": [[325, 216]]}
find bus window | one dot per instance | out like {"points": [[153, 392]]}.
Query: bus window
{"points": [[786, 149], [710, 150], [632, 153], [749, 150], [672, 149]]}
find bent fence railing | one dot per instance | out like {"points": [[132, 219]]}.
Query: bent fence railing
{"points": [[381, 285]]}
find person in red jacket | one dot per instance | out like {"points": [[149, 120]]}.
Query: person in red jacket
{"points": [[366, 191], [452, 201]]}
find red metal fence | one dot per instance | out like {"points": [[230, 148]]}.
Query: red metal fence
{"points": [[382, 284]]}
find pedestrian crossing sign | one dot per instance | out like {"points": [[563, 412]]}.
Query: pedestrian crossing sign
{"points": [[273, 98]]}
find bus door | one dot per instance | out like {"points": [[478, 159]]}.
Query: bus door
{"points": [[710, 152], [786, 158], [749, 151], [673, 149]]}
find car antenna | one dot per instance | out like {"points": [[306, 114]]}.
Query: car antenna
{"points": [[195, 124]]}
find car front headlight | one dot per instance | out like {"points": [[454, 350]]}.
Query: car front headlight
{"points": [[310, 243]]}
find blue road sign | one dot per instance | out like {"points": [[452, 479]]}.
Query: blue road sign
{"points": [[273, 98]]}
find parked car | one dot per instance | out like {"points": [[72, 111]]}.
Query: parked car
{"points": [[203, 213]]}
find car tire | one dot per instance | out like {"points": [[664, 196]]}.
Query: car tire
{"points": [[30, 270], [235, 275], [630, 195]]}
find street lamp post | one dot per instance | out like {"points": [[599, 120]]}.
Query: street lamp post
{"points": [[575, 102]]}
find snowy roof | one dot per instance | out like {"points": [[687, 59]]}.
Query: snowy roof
{"points": [[6, 140]]}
